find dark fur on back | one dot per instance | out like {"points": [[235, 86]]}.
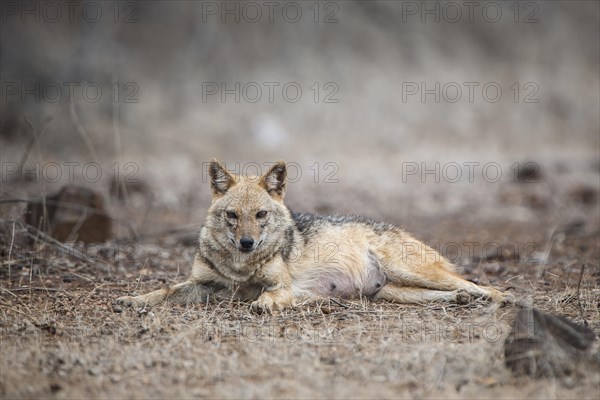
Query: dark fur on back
{"points": [[307, 224]]}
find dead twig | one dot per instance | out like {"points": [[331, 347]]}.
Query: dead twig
{"points": [[34, 139], [338, 303], [12, 243], [83, 133], [37, 288], [579, 294]]}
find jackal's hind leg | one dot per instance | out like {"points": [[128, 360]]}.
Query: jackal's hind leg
{"points": [[439, 276], [415, 295]]}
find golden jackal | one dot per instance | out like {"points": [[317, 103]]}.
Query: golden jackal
{"points": [[252, 247]]}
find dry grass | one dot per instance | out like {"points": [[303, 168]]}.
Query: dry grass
{"points": [[62, 338]]}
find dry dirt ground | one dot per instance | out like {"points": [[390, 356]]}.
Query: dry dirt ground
{"points": [[63, 337]]}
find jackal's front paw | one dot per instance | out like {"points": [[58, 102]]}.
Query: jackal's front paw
{"points": [[269, 302], [129, 301], [262, 305]]}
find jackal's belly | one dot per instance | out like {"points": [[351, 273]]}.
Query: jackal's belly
{"points": [[350, 271]]}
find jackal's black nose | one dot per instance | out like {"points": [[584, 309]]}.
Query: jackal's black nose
{"points": [[246, 243]]}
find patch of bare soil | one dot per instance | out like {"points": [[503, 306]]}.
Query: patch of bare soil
{"points": [[63, 336]]}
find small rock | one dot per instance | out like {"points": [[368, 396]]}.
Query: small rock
{"points": [[494, 268], [586, 195], [529, 172], [328, 360], [535, 201], [55, 387], [574, 227]]}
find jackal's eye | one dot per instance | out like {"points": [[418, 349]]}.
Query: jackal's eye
{"points": [[231, 214], [261, 214]]}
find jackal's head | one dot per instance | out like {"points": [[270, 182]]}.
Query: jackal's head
{"points": [[247, 212]]}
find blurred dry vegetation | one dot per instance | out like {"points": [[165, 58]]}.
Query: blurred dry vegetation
{"points": [[61, 336]]}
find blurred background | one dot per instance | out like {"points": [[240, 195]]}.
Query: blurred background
{"points": [[421, 113]]}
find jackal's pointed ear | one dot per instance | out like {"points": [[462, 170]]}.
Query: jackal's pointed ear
{"points": [[274, 180], [220, 179]]}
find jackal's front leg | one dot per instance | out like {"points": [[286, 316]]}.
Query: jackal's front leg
{"points": [[277, 283], [183, 293], [198, 288]]}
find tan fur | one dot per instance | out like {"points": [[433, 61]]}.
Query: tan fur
{"points": [[303, 257]]}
